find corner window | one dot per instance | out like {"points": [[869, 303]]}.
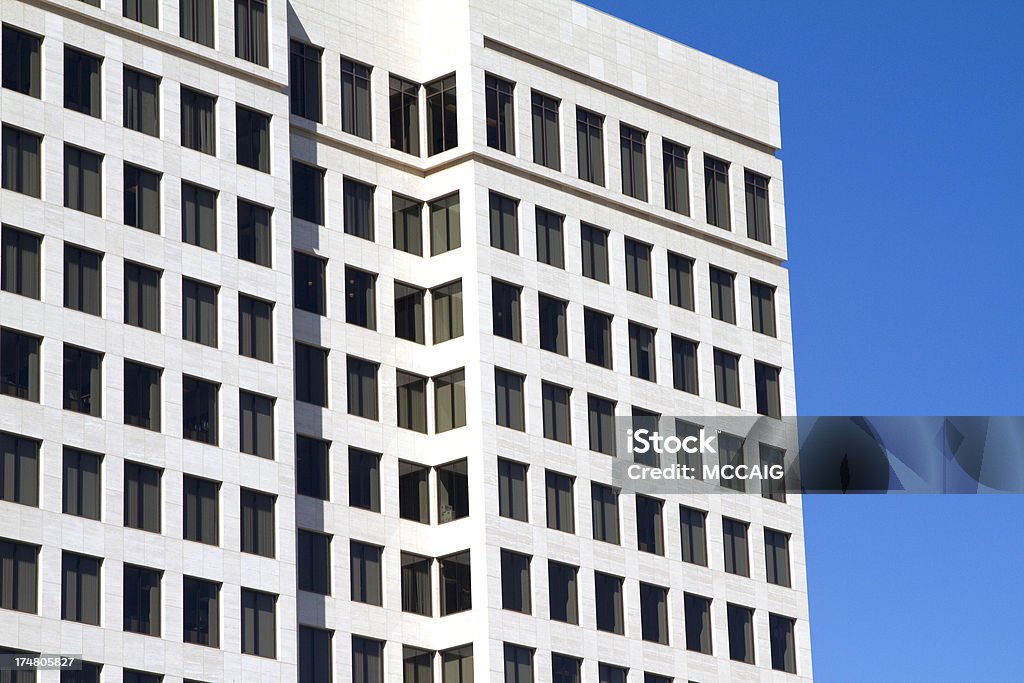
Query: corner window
{"points": [[442, 115], [445, 231], [403, 99]]}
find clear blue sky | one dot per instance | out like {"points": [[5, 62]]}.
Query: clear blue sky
{"points": [[903, 146]]}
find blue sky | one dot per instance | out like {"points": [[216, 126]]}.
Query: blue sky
{"points": [[903, 152]]}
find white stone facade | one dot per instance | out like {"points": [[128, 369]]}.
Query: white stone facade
{"points": [[561, 48]]}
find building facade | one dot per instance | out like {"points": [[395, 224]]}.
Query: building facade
{"points": [[315, 320]]}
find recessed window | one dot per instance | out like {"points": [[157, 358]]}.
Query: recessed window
{"points": [[311, 375], [256, 424], [142, 600], [81, 481], [590, 146], [358, 208], [412, 401], [741, 633], [649, 420], [403, 100], [312, 470], [199, 312], [650, 531], [142, 497], [414, 492], [19, 365], [445, 231], [680, 281], [21, 165], [550, 243], [83, 280], [449, 401], [756, 193], [198, 121], [509, 403], [684, 365], [254, 235], [730, 454], [562, 593], [309, 274], [442, 115], [504, 223], [80, 588], [677, 182], [447, 314], [500, 103], [20, 578], [762, 307], [196, 22], [515, 582], [638, 267], [308, 192], [82, 81], [355, 98], [723, 300], [766, 388], [314, 562], [142, 395], [694, 461], [362, 387], [716, 192], [512, 500], [633, 148], [594, 243], [416, 593], [727, 378], [734, 539], [251, 31], [19, 479], [304, 80], [367, 660], [365, 563], [505, 310], [360, 298], [452, 491], [606, 673], [641, 352], [417, 665], [83, 380], [776, 557], [597, 335], [697, 615], [130, 676], [409, 312], [693, 536], [142, 101], [456, 587], [608, 599], [601, 424], [201, 622], [518, 664], [20, 262], [407, 224], [654, 613], [259, 628], [553, 333], [560, 506], [457, 665], [90, 671], [252, 138], [199, 410], [546, 147], [144, 11], [83, 180], [255, 328], [198, 216], [142, 198], [21, 61], [781, 635], [257, 523], [364, 479], [604, 502], [773, 489], [201, 519], [555, 410]]}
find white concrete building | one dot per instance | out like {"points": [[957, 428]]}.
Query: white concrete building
{"points": [[313, 320]]}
